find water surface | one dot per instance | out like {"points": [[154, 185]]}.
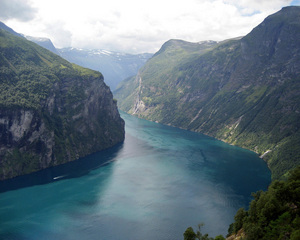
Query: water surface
{"points": [[160, 181]]}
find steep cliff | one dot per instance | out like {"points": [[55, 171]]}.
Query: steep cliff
{"points": [[243, 91], [51, 111]]}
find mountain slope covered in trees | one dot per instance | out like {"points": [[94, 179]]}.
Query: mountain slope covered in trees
{"points": [[243, 91], [51, 111]]}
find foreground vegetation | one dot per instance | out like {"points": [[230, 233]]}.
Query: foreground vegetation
{"points": [[189, 234], [272, 215]]}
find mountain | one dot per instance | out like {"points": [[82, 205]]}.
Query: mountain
{"points": [[8, 29], [114, 66], [243, 91], [172, 54], [51, 111], [43, 42]]}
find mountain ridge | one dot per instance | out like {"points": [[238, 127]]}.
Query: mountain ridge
{"points": [[115, 66], [43, 42], [51, 111], [242, 91]]}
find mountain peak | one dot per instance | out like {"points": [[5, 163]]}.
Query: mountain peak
{"points": [[244, 91], [276, 36]]}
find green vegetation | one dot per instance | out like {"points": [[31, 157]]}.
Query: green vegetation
{"points": [[273, 214], [29, 73], [51, 111], [242, 91], [20, 161], [189, 234]]}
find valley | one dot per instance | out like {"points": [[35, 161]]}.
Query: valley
{"points": [[101, 144], [115, 66], [243, 91]]}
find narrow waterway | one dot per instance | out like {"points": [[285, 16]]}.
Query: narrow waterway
{"points": [[160, 181]]}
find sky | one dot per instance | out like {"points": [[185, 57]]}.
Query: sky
{"points": [[135, 26]]}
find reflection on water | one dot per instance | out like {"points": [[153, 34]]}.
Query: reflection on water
{"points": [[73, 169], [153, 186]]}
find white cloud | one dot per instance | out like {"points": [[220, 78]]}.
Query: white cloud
{"points": [[16, 9], [142, 26], [252, 6]]}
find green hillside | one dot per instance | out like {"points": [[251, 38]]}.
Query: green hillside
{"points": [[273, 214], [51, 111], [243, 91], [28, 72]]}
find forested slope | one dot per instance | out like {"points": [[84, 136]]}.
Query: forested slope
{"points": [[243, 91], [51, 111]]}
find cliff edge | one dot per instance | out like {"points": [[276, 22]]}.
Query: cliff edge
{"points": [[51, 111]]}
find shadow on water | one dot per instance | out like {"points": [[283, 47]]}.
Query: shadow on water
{"points": [[157, 183], [68, 170]]}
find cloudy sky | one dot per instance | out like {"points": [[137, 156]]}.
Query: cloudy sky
{"points": [[135, 26]]}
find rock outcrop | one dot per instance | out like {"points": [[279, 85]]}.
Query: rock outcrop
{"points": [[51, 111]]}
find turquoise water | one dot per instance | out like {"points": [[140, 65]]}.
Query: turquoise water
{"points": [[160, 181]]}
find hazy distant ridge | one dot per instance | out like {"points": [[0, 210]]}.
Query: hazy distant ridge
{"points": [[114, 66]]}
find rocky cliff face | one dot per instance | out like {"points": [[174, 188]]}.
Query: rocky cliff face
{"points": [[242, 91], [51, 111]]}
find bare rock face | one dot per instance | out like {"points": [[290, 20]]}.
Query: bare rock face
{"points": [[60, 132], [23, 137], [51, 111], [31, 140]]}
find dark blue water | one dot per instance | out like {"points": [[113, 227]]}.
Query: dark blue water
{"points": [[160, 181]]}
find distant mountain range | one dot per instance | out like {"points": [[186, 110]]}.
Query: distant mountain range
{"points": [[244, 91], [43, 42], [114, 66]]}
